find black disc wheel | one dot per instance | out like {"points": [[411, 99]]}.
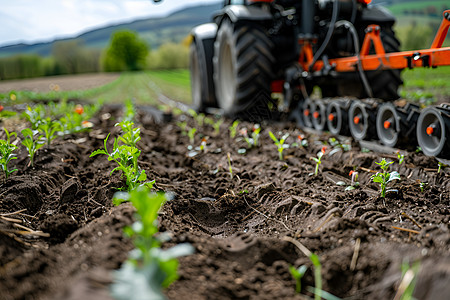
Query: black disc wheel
{"points": [[362, 120], [319, 115], [307, 110], [433, 133], [388, 125], [337, 117], [242, 67]]}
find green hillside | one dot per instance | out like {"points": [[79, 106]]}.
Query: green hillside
{"points": [[155, 31]]}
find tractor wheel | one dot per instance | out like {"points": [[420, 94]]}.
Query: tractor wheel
{"points": [[242, 67], [202, 86]]}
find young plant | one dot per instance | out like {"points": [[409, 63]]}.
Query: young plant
{"points": [[6, 155], [49, 128], [301, 142], [318, 159], [400, 157], [203, 145], [191, 135], [126, 158], [280, 143], [233, 129], [34, 115], [440, 165], [384, 177], [409, 279], [148, 268], [298, 275], [252, 141], [216, 126], [130, 134], [199, 118], [130, 111], [423, 186], [183, 126], [31, 143], [354, 183]]}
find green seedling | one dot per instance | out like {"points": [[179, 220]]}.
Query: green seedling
{"points": [[130, 135], [409, 279], [384, 177], [203, 147], [32, 144], [252, 141], [183, 126], [440, 165], [354, 183], [318, 159], [423, 186], [233, 129], [298, 275], [337, 146], [280, 143], [49, 128], [191, 135], [230, 167], [6, 113], [400, 157], [34, 115], [418, 149], [148, 268], [130, 111], [216, 126], [199, 118], [301, 142], [126, 158], [6, 153]]}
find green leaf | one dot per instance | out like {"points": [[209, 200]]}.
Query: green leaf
{"points": [[394, 176], [97, 152], [273, 137]]}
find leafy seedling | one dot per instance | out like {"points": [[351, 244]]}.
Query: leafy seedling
{"points": [[233, 129], [384, 177], [252, 141], [126, 158], [440, 165], [423, 186], [298, 274], [280, 143], [318, 159], [191, 135], [130, 135], [183, 126], [130, 111], [32, 144], [400, 157], [148, 269], [49, 128], [301, 142], [354, 181], [409, 279], [6, 153], [216, 126]]}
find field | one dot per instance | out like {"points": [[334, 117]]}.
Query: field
{"points": [[248, 214]]}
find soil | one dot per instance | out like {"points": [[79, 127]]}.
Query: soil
{"points": [[244, 229]]}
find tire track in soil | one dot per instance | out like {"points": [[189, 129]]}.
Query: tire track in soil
{"points": [[240, 253]]}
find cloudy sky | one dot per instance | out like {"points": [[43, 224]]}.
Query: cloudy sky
{"points": [[43, 20]]}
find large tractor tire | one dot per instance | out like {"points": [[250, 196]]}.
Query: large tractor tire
{"points": [[200, 66], [242, 67]]}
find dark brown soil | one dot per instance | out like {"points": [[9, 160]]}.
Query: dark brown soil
{"points": [[238, 226]]}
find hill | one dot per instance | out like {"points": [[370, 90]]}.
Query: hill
{"points": [[155, 31]]}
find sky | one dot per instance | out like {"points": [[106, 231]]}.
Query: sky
{"points": [[30, 21]]}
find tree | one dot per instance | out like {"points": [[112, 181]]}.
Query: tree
{"points": [[126, 52], [71, 57]]}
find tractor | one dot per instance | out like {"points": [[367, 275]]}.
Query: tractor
{"points": [[256, 50]]}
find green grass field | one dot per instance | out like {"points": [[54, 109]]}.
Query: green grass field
{"points": [[143, 87]]}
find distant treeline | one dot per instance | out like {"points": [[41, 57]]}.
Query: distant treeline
{"points": [[125, 52]]}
